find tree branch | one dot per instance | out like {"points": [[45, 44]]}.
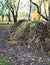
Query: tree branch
{"points": [[17, 8], [39, 11], [45, 9], [10, 8], [18, 5], [30, 11]]}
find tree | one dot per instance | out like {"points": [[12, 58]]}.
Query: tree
{"points": [[30, 10], [39, 11], [2, 9], [41, 31], [8, 15], [13, 7], [49, 8]]}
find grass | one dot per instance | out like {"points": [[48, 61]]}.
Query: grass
{"points": [[4, 61], [5, 24]]}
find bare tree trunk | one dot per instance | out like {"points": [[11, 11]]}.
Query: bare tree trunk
{"points": [[9, 16], [2, 17], [14, 17], [29, 11], [45, 8], [49, 11]]}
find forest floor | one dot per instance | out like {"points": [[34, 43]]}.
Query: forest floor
{"points": [[18, 54]]}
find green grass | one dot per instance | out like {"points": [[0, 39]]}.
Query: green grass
{"points": [[4, 61]]}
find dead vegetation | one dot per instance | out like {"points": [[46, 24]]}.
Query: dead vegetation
{"points": [[33, 33]]}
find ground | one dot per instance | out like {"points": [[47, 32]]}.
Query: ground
{"points": [[18, 54]]}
